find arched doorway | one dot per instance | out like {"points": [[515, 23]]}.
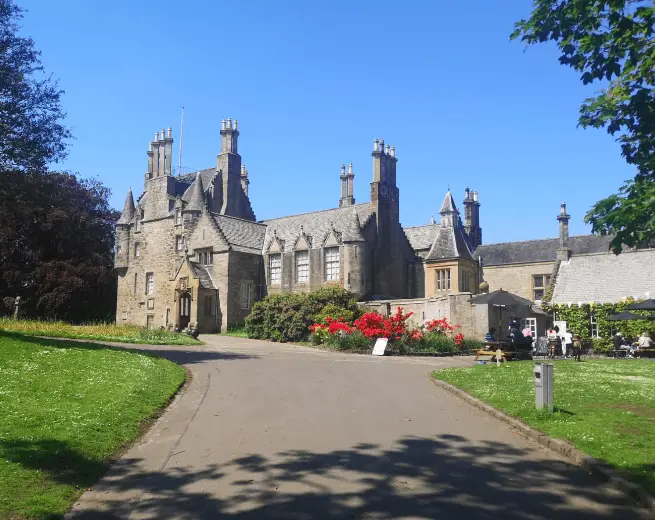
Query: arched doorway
{"points": [[185, 310]]}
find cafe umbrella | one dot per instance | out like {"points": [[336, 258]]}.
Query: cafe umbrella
{"points": [[501, 299]]}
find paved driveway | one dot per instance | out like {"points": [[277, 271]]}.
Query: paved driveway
{"points": [[273, 431]]}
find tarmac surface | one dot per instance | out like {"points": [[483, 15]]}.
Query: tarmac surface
{"points": [[266, 431]]}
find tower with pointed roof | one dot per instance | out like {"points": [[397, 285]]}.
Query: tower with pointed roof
{"points": [[121, 257]]}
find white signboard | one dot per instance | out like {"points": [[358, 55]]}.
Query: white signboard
{"points": [[380, 345]]}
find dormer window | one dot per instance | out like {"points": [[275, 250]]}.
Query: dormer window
{"points": [[206, 257]]}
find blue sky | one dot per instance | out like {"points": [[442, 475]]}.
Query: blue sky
{"points": [[313, 84]]}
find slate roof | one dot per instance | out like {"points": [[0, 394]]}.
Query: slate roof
{"points": [[606, 278], [448, 205], [543, 250], [196, 195], [128, 210], [243, 235], [450, 242], [422, 237], [316, 225], [204, 278]]}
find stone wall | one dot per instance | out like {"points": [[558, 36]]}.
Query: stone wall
{"points": [[455, 307], [516, 278]]}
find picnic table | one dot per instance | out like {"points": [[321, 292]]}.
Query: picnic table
{"points": [[510, 351]]}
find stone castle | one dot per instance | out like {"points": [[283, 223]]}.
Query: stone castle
{"points": [[190, 249]]}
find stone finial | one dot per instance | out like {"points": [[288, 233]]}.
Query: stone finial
{"points": [[223, 124], [393, 151], [382, 145], [343, 169], [432, 221], [229, 123], [236, 124], [376, 145], [156, 137], [150, 147], [243, 170], [170, 133], [387, 149], [562, 209], [163, 134], [350, 168], [475, 196]]}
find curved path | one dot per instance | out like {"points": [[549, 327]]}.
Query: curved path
{"points": [[276, 431]]}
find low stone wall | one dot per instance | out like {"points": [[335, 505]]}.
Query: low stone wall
{"points": [[455, 307]]}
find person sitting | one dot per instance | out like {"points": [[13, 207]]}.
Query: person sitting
{"points": [[617, 340], [644, 341]]}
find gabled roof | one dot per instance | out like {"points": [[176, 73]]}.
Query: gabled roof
{"points": [[242, 235], [316, 224], [606, 278], [196, 200], [353, 233], [543, 250], [421, 237], [203, 276], [449, 243]]}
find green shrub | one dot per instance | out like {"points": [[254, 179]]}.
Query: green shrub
{"points": [[432, 342], [287, 317], [354, 342], [601, 344]]}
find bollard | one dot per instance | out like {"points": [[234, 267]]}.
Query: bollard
{"points": [[543, 385]]}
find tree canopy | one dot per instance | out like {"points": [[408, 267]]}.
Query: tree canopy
{"points": [[56, 231], [610, 42], [31, 130]]}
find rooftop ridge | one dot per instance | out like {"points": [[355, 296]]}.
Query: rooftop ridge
{"points": [[237, 218], [536, 240], [311, 212]]}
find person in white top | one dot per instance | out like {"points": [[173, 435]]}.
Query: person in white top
{"points": [[567, 344], [645, 341]]}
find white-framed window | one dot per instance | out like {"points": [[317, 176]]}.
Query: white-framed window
{"points": [[593, 325], [206, 257], [244, 296], [275, 269], [332, 262], [531, 323], [302, 266], [179, 243], [540, 283], [442, 279], [150, 283], [178, 216], [137, 249]]}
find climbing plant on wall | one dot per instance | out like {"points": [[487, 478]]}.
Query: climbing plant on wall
{"points": [[578, 319]]}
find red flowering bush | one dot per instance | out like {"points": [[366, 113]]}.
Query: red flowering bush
{"points": [[440, 326], [373, 325]]}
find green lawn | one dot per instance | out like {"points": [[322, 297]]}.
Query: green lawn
{"points": [[97, 332], [606, 408], [238, 331], [66, 408]]}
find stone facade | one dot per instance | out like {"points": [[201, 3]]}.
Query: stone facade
{"points": [[190, 250]]}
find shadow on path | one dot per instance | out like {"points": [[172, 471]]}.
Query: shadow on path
{"points": [[444, 477]]}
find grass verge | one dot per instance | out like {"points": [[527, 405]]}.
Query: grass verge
{"points": [[606, 408], [67, 408], [238, 331], [97, 332]]}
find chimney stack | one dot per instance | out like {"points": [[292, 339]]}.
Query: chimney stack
{"points": [[563, 251]]}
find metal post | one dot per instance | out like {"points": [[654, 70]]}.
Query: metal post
{"points": [[543, 386]]}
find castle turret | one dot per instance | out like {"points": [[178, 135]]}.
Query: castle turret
{"points": [[196, 202], [121, 258], [449, 213]]}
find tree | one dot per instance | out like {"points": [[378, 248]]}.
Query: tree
{"points": [[611, 42], [56, 246], [31, 130]]}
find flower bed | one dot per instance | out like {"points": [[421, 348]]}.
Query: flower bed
{"points": [[436, 336]]}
